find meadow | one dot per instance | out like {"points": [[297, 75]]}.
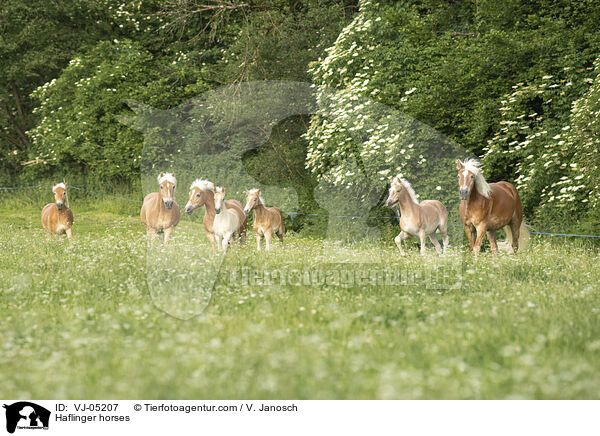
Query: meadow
{"points": [[79, 319]]}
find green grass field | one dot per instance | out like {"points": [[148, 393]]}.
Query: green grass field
{"points": [[78, 319]]}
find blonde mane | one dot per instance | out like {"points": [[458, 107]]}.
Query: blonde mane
{"points": [[59, 185], [474, 166], [260, 199], [167, 177], [203, 185], [402, 181]]}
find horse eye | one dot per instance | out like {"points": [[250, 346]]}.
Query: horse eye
{"points": [[161, 186], [197, 195], [472, 177], [398, 191]]}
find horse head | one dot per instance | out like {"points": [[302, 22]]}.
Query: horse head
{"points": [[60, 194], [167, 184]]}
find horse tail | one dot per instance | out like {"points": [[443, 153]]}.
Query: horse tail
{"points": [[524, 238]]}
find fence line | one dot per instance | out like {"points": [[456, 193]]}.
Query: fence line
{"points": [[292, 214]]}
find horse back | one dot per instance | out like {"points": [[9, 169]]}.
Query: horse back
{"points": [[236, 207]]}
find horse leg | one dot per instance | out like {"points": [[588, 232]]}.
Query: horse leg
{"points": [[69, 232], [268, 239], [423, 239], [227, 239], [469, 231], [217, 239], [258, 236], [516, 234], [481, 231], [445, 239], [167, 235], [211, 239], [403, 236], [491, 234], [150, 234], [280, 232], [435, 243]]}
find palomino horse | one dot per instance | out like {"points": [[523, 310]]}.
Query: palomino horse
{"points": [[160, 212], [485, 208], [57, 218], [227, 220], [266, 219], [202, 193], [417, 219]]}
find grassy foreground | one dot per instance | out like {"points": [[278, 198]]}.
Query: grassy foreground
{"points": [[79, 321]]}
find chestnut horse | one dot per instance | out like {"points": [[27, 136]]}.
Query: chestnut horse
{"points": [[267, 220], [417, 219], [57, 218], [160, 212], [202, 193], [485, 208]]}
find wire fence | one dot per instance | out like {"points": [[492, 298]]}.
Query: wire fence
{"points": [[292, 214]]}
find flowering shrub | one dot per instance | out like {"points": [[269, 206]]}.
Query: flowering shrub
{"points": [[78, 127], [549, 141]]}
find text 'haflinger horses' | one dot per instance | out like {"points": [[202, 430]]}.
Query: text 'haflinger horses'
{"points": [[486, 208]]}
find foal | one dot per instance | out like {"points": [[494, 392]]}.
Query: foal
{"points": [[417, 219], [202, 193], [485, 208], [266, 219], [57, 218], [160, 212], [227, 220]]}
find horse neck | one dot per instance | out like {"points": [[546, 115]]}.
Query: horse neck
{"points": [[209, 203], [475, 198], [407, 206], [260, 211]]}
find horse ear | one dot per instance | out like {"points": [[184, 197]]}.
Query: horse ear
{"points": [[54, 183], [459, 164], [161, 174], [173, 174], [246, 189], [258, 192], [66, 183]]}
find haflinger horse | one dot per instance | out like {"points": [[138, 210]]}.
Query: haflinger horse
{"points": [[485, 208], [267, 220], [160, 212], [202, 193], [227, 220], [418, 219], [57, 218]]}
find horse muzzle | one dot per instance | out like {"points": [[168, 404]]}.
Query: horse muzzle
{"points": [[169, 204], [246, 210], [59, 206], [464, 194], [390, 203], [217, 211]]}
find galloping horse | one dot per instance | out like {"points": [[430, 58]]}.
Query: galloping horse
{"points": [[160, 212], [417, 219], [485, 208], [227, 220], [202, 193], [57, 218], [266, 219]]}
